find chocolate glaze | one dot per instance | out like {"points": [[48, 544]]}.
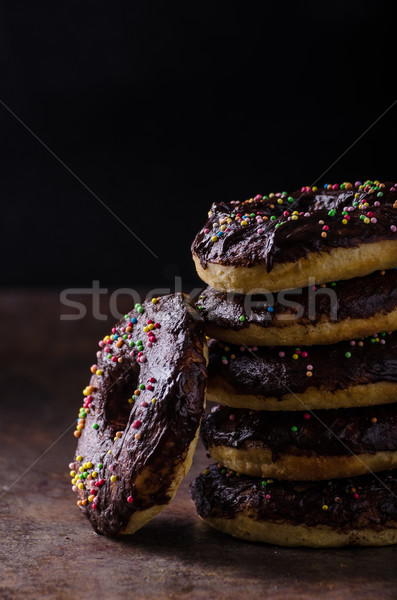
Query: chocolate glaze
{"points": [[358, 298], [222, 495], [340, 432], [167, 427], [263, 372], [243, 246]]}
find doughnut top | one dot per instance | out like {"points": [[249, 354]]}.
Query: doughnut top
{"points": [[274, 372], [334, 432], [345, 504], [140, 413], [358, 298], [285, 227]]}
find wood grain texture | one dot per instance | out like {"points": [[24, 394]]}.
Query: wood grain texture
{"points": [[49, 551]]}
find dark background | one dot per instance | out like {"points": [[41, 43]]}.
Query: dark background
{"points": [[161, 109]]}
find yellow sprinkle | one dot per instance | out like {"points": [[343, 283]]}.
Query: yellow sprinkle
{"points": [[223, 227], [79, 458], [85, 392], [74, 481], [109, 452], [89, 465], [226, 348], [81, 469], [295, 356], [85, 465], [146, 329], [151, 326], [90, 498], [295, 213], [314, 188], [366, 220], [81, 486], [280, 201], [206, 471], [154, 300], [294, 218], [214, 238], [325, 507], [130, 401], [344, 221], [98, 372], [154, 400], [244, 223], [72, 473], [113, 478], [94, 474], [271, 195]]}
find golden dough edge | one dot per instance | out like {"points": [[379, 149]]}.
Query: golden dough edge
{"points": [[294, 333], [320, 267], [221, 391], [258, 462], [140, 518], [248, 527]]}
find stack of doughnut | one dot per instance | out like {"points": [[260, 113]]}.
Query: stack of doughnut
{"points": [[301, 304]]}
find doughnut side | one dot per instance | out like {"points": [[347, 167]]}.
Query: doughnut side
{"points": [[318, 267], [258, 462], [303, 446], [354, 511], [359, 372], [220, 391]]}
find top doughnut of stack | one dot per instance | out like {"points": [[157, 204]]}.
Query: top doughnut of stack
{"points": [[279, 241]]}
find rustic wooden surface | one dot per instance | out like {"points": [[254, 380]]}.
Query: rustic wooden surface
{"points": [[48, 550]]}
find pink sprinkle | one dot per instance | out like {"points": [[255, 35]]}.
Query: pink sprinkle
{"points": [[74, 488], [268, 496], [281, 354], [304, 354], [326, 228], [303, 189], [335, 186], [132, 353], [144, 404], [99, 354], [352, 343], [130, 499], [152, 380], [309, 367], [113, 330], [258, 197], [370, 214], [72, 465], [129, 336], [374, 220], [94, 506], [136, 424], [356, 495], [307, 416], [150, 387], [111, 467], [377, 203], [206, 230], [255, 348], [307, 214], [114, 358], [142, 359], [122, 329], [392, 189], [107, 348], [101, 344], [242, 348], [357, 184], [101, 481], [393, 228], [232, 417], [149, 344], [383, 341], [260, 230]]}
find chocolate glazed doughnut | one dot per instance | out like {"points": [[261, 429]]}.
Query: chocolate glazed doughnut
{"points": [[279, 241], [139, 423], [303, 446], [348, 374], [327, 314], [361, 511]]}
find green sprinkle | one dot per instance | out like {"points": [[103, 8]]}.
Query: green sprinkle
{"points": [[332, 212], [140, 310], [348, 354], [380, 194], [142, 386], [290, 199], [137, 305], [95, 426], [264, 483], [294, 428], [131, 344], [100, 465], [272, 218], [333, 284], [85, 474], [139, 343], [242, 318], [200, 307], [223, 471]]}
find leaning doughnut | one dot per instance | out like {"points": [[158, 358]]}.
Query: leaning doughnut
{"points": [[303, 446], [348, 374], [138, 426], [360, 511], [279, 242], [342, 310]]}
